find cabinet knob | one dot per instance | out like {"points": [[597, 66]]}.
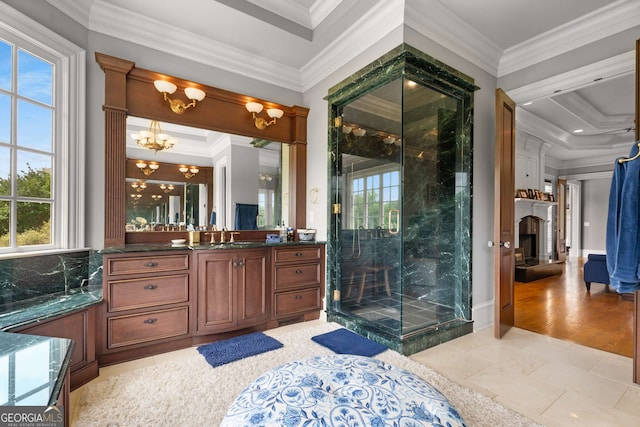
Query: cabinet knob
{"points": [[298, 271], [298, 254], [298, 296], [151, 287], [150, 321], [151, 264]]}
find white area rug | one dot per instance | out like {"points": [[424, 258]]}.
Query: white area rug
{"points": [[189, 392]]}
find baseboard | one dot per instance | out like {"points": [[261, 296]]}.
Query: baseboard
{"points": [[482, 315]]}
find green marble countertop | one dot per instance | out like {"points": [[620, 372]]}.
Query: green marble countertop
{"points": [[47, 306], [37, 370], [152, 247]]}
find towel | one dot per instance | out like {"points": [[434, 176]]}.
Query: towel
{"points": [[623, 226], [246, 216]]}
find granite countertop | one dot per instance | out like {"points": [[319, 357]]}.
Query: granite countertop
{"points": [[152, 247], [47, 306], [36, 371]]}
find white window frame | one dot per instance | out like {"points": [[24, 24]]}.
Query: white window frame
{"points": [[69, 85], [352, 176]]}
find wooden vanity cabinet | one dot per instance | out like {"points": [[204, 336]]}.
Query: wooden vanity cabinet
{"points": [[298, 277], [147, 304], [233, 289], [80, 327]]}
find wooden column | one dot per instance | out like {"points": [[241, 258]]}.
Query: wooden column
{"points": [[115, 125], [298, 169]]}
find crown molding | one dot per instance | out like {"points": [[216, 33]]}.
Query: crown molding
{"points": [[369, 29], [615, 66], [575, 105], [434, 21], [320, 10], [599, 24], [142, 30]]}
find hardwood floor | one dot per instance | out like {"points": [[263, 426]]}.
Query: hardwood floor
{"points": [[561, 307]]}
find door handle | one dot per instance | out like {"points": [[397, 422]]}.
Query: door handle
{"points": [[505, 244]]}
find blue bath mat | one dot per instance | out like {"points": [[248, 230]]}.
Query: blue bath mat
{"points": [[343, 341], [227, 351]]}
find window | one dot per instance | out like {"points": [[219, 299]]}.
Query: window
{"points": [[41, 137], [373, 197]]}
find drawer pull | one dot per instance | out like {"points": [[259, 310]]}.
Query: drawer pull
{"points": [[298, 296], [150, 321], [151, 264], [298, 271], [298, 253], [151, 287]]}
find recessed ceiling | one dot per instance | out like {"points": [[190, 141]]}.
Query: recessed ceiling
{"points": [[296, 43]]}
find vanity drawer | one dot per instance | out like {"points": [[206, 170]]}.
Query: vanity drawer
{"points": [[287, 303], [297, 254], [289, 276], [150, 326], [150, 264], [147, 292]]}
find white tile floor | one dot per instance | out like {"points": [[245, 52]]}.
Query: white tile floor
{"points": [[554, 382]]}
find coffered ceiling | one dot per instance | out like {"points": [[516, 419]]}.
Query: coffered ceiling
{"points": [[296, 43]]}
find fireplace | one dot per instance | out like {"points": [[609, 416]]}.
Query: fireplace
{"points": [[530, 228]]}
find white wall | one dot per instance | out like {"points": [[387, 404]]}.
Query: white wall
{"points": [[595, 203]]}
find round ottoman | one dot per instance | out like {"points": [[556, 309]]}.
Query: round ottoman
{"points": [[340, 390]]}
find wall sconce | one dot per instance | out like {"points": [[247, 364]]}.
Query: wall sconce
{"points": [[147, 168], [189, 171], [255, 108], [177, 105], [265, 177], [156, 197], [139, 185], [167, 188], [154, 139], [350, 131]]}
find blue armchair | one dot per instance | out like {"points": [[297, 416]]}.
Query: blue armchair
{"points": [[595, 270]]}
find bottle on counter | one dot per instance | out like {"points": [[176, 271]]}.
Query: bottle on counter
{"points": [[283, 233], [290, 235]]}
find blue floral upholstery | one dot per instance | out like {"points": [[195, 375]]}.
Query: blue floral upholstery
{"points": [[341, 390]]}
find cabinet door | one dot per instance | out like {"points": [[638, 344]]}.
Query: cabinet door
{"points": [[252, 285], [216, 296]]}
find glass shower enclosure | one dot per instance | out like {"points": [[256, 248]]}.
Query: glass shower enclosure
{"points": [[399, 249]]}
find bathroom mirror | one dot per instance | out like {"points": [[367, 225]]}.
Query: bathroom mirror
{"points": [[238, 184]]}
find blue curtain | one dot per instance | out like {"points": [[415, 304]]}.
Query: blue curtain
{"points": [[246, 216]]}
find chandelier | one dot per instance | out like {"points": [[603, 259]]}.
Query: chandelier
{"points": [[154, 139]]}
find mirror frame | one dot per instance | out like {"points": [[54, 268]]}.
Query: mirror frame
{"points": [[130, 91]]}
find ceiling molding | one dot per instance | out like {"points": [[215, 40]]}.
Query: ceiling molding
{"points": [[586, 176], [599, 24], [434, 21], [582, 110], [321, 9], [370, 28], [530, 123], [142, 30], [615, 66]]}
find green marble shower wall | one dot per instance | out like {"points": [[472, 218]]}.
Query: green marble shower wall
{"points": [[399, 248]]}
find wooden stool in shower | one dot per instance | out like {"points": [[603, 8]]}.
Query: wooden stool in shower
{"points": [[363, 270]]}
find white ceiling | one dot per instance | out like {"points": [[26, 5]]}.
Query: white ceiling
{"points": [[296, 43]]}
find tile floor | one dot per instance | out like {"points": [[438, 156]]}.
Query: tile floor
{"points": [[554, 382]]}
